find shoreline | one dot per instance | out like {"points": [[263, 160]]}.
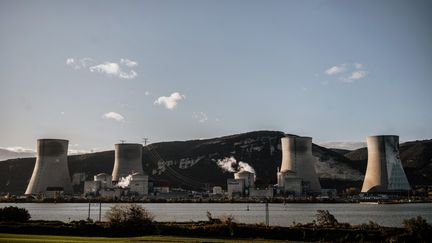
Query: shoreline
{"points": [[189, 201]]}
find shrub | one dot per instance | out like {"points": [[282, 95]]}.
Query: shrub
{"points": [[325, 218], [227, 219], [418, 227], [211, 219], [130, 215], [14, 214]]}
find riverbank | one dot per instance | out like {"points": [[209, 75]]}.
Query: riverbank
{"points": [[152, 238], [221, 230], [215, 200]]}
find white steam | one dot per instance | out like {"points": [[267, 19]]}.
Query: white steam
{"points": [[124, 181], [230, 164], [227, 164], [243, 166]]}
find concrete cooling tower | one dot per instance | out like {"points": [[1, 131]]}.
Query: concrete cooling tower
{"points": [[297, 159], [128, 160], [384, 170], [51, 171]]}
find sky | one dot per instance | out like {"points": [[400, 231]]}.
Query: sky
{"points": [[97, 72]]}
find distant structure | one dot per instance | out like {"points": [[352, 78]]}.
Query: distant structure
{"points": [[241, 184], [139, 184], [384, 172], [104, 179], [101, 181], [51, 173], [297, 173], [128, 160], [248, 177], [235, 187]]}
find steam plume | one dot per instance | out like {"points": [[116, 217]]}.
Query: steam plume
{"points": [[124, 181], [230, 164]]}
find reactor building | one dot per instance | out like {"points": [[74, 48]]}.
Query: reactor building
{"points": [[50, 173], [128, 160], [384, 172], [297, 173]]}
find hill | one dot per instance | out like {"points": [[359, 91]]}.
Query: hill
{"points": [[193, 164]]}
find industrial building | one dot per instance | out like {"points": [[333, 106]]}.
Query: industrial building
{"points": [[248, 177], [384, 172], [235, 187], [297, 173], [128, 160], [139, 184], [50, 174]]}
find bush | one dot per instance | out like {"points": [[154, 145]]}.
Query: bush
{"points": [[325, 218], [418, 227], [14, 214], [130, 215]]}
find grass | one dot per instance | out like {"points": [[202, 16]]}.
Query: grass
{"points": [[154, 238]]}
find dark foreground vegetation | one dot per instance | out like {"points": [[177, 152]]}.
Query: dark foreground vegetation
{"points": [[133, 220]]}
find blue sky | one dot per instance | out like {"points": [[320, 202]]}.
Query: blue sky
{"points": [[95, 72]]}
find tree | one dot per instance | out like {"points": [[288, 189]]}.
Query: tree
{"points": [[324, 217], [130, 215], [418, 227], [14, 214]]}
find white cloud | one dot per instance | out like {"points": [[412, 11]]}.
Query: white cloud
{"points": [[128, 62], [336, 70], [80, 151], [110, 68], [70, 61], [19, 149], [350, 145], [131, 75], [358, 65], [79, 64], [201, 117], [122, 70], [348, 73], [357, 75], [146, 93], [171, 101], [113, 115]]}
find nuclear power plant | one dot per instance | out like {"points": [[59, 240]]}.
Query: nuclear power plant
{"points": [[296, 178], [297, 173], [50, 173], [384, 172], [128, 160]]}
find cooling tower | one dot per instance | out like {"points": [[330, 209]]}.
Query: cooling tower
{"points": [[297, 157], [51, 169], [128, 160], [384, 170]]}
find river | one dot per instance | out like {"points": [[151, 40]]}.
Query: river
{"points": [[280, 214]]}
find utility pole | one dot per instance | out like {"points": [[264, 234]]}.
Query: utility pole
{"points": [[122, 141], [267, 213], [88, 217], [100, 211], [145, 140]]}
